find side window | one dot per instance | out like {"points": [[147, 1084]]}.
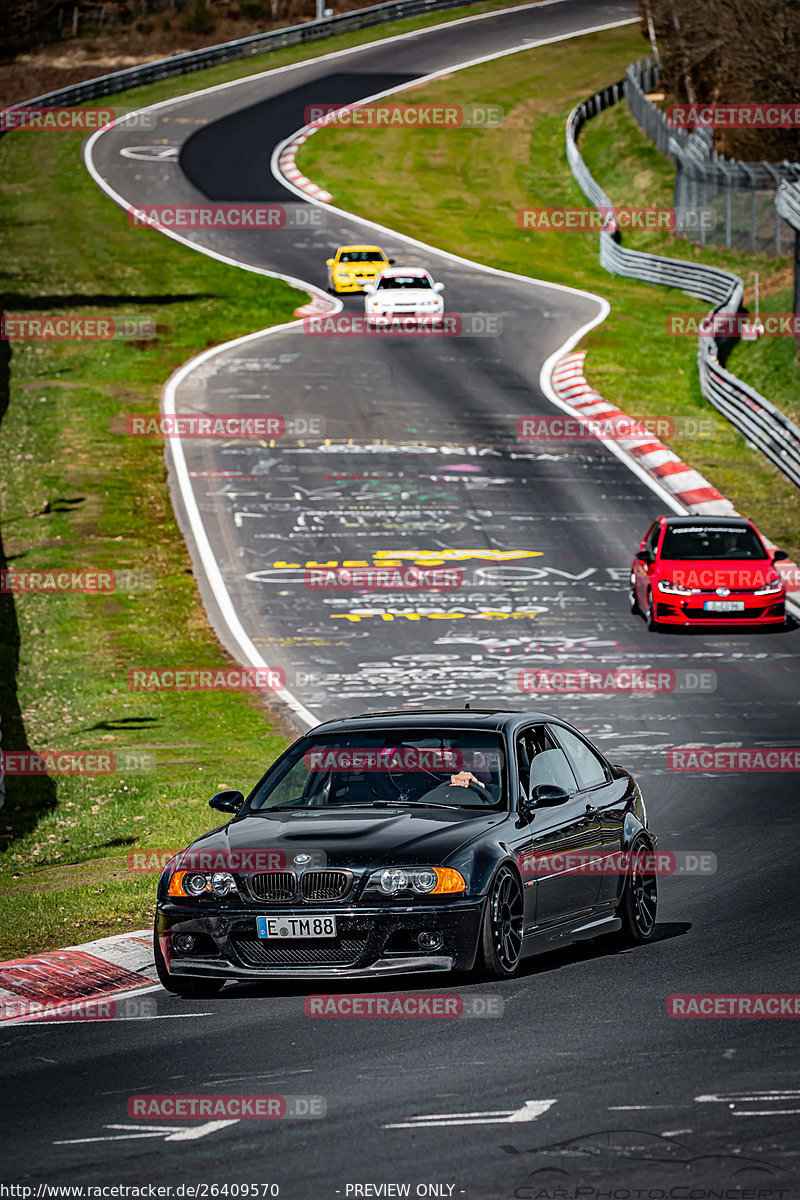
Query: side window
{"points": [[652, 538], [541, 760], [590, 770], [298, 786]]}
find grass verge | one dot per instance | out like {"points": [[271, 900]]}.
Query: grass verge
{"points": [[463, 189]]}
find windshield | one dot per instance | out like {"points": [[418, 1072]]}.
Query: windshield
{"points": [[711, 541], [386, 769], [361, 256], [405, 281]]}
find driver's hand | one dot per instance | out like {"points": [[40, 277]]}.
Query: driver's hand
{"points": [[463, 779]]}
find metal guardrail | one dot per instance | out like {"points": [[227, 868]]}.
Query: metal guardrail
{"points": [[258, 43], [787, 204], [761, 422]]}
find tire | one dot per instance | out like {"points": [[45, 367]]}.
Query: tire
{"points": [[502, 925], [633, 603], [179, 985], [639, 902], [652, 624]]}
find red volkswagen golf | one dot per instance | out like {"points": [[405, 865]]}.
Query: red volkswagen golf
{"points": [[706, 571]]}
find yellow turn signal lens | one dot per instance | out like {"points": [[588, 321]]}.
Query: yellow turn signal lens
{"points": [[449, 881], [176, 884]]}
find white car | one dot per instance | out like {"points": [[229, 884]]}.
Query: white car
{"points": [[403, 292]]}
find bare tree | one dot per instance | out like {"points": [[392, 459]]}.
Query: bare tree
{"points": [[732, 52]]}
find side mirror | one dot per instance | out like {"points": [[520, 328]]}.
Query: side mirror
{"points": [[328, 262], [548, 795], [779, 556], [392, 262], [229, 801], [438, 287], [369, 287], [646, 556]]}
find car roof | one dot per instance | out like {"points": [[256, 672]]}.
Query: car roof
{"points": [[701, 519], [405, 271], [360, 246], [496, 719]]}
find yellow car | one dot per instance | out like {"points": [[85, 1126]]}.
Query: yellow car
{"points": [[353, 266]]}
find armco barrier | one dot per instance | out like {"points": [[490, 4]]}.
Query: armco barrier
{"points": [[762, 423], [258, 43], [787, 203]]}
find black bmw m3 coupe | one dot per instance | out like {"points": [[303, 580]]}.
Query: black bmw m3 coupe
{"points": [[404, 842]]}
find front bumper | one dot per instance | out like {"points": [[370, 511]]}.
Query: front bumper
{"points": [[679, 610], [351, 285], [371, 941], [386, 316]]}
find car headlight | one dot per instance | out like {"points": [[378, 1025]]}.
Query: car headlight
{"points": [[674, 589], [422, 881], [770, 589], [197, 883]]}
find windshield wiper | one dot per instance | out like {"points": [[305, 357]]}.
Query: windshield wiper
{"points": [[414, 804], [316, 807]]}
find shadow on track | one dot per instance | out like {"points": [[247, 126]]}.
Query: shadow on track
{"points": [[28, 797], [542, 964]]}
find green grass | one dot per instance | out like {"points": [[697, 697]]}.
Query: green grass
{"points": [[462, 191], [772, 365]]}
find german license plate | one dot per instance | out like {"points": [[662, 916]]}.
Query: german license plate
{"points": [[724, 605], [296, 927]]}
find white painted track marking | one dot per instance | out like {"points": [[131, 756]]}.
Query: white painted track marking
{"points": [[530, 1110]]}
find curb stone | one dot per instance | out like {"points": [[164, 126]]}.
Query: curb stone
{"points": [[121, 963]]}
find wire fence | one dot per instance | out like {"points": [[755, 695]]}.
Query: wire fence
{"points": [[738, 196], [761, 422]]}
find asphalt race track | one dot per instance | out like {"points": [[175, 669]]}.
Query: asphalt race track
{"points": [[583, 1081]]}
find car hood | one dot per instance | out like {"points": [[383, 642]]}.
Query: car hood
{"points": [[711, 573], [372, 837]]}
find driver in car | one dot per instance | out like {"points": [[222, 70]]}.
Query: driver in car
{"points": [[463, 779]]}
